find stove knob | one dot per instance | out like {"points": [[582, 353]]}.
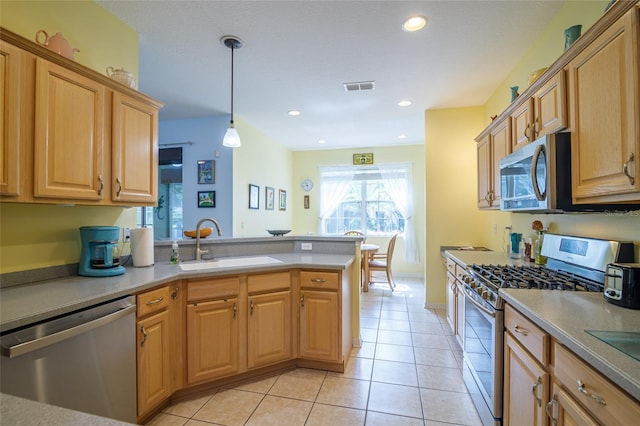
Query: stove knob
{"points": [[485, 294], [479, 290]]}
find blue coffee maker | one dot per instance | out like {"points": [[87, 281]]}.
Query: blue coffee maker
{"points": [[100, 255]]}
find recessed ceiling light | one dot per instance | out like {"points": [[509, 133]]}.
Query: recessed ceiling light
{"points": [[322, 141], [414, 23], [404, 103], [402, 136], [293, 112]]}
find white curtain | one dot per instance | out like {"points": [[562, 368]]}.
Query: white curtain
{"points": [[399, 189], [334, 184]]}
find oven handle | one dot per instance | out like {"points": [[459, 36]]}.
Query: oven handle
{"points": [[484, 309]]}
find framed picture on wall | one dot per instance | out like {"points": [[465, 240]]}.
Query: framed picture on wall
{"points": [[206, 198], [269, 200], [254, 196], [283, 199], [206, 171]]}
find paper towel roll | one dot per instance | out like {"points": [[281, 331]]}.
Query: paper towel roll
{"points": [[142, 246]]}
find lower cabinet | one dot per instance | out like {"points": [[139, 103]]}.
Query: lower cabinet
{"points": [[269, 324], [319, 325], [153, 349], [526, 386], [564, 410]]}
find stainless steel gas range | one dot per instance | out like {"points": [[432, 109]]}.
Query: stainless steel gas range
{"points": [[573, 264]]}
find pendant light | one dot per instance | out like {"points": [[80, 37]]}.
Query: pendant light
{"points": [[231, 138]]}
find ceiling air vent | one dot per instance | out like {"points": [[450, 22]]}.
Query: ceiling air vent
{"points": [[359, 86]]}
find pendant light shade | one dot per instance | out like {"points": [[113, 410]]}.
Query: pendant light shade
{"points": [[231, 138]]}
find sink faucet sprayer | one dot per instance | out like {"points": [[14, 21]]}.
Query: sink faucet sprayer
{"points": [[199, 252]]}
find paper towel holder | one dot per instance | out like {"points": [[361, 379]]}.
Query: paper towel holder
{"points": [[142, 247]]}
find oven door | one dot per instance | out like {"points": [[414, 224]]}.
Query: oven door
{"points": [[483, 356]]}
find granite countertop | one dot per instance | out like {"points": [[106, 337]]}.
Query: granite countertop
{"points": [[29, 303], [24, 412], [565, 315]]}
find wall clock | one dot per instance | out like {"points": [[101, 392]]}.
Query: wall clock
{"points": [[307, 185]]}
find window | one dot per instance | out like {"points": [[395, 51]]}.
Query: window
{"points": [[365, 199]]}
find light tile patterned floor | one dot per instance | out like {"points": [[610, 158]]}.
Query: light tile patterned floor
{"points": [[407, 372]]}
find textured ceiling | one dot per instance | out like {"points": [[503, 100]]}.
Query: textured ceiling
{"points": [[298, 54]]}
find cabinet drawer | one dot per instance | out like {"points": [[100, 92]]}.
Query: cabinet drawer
{"points": [[451, 266], [317, 279], [268, 282], [602, 398], [153, 301], [528, 334], [212, 288]]}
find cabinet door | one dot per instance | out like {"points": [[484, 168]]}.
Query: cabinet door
{"points": [[319, 325], [500, 147], [69, 135], [550, 107], [135, 151], [459, 313], [10, 119], [269, 336], [605, 115], [154, 380], [526, 387], [565, 411], [522, 125], [484, 167], [451, 302], [212, 340]]}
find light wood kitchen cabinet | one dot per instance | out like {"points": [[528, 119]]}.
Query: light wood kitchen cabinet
{"points": [[565, 411], [543, 113], [605, 115], [491, 148], [213, 331], [526, 386], [69, 135], [526, 379], [11, 119], [153, 349], [269, 336], [135, 151], [320, 316]]}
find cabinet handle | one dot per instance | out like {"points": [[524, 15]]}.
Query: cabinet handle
{"points": [[119, 187], [549, 407], [521, 330], [101, 182], [154, 301], [318, 280], [251, 311], [174, 295], [526, 132], [625, 169], [302, 300], [144, 335], [582, 389], [536, 132], [235, 309], [534, 391]]}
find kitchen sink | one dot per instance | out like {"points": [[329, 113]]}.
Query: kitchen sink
{"points": [[627, 342], [229, 262]]}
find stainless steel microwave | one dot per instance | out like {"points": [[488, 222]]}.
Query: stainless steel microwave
{"points": [[537, 179]]}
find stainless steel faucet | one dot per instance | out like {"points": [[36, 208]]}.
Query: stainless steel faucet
{"points": [[199, 252]]}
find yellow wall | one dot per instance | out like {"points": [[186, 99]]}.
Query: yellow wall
{"points": [[452, 215], [36, 236], [263, 162], [306, 165]]}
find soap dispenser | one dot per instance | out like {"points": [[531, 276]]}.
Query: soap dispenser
{"points": [[175, 253]]}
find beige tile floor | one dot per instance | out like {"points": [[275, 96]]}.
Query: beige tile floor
{"points": [[407, 372]]}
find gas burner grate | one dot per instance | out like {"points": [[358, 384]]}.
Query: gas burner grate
{"points": [[534, 277]]}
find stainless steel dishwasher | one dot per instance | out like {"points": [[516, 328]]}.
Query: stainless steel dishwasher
{"points": [[85, 361]]}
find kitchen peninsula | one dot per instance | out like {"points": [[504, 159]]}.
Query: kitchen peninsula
{"points": [[305, 304]]}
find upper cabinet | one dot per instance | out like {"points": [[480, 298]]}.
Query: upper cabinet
{"points": [[71, 135], [592, 90], [605, 119]]}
